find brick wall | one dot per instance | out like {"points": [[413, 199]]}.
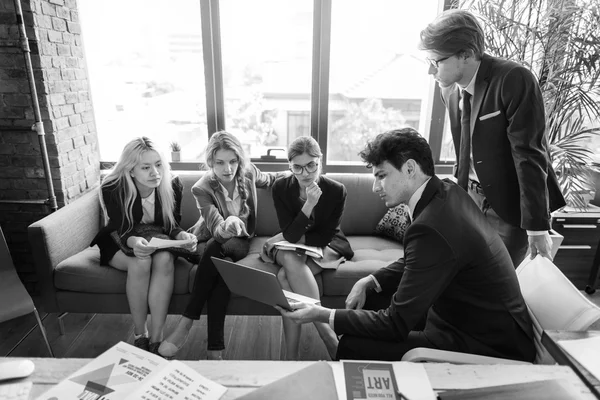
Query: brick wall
{"points": [[58, 60]]}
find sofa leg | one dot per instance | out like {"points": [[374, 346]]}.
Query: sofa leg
{"points": [[61, 324]]}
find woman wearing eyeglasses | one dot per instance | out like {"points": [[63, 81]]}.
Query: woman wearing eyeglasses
{"points": [[309, 210]]}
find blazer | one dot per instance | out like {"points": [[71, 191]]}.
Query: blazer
{"points": [[212, 203], [116, 218], [323, 227], [457, 271], [509, 144]]}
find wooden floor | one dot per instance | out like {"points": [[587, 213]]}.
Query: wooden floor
{"points": [[88, 335]]}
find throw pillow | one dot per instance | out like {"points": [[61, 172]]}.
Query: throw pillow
{"points": [[394, 223]]}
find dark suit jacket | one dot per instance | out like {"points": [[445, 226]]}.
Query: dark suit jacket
{"points": [[116, 221], [458, 272], [323, 227], [510, 149]]}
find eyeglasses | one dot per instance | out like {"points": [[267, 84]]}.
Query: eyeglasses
{"points": [[435, 63], [310, 168]]}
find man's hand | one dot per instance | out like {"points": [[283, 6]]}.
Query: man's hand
{"points": [[358, 295], [541, 244], [305, 313], [183, 235]]}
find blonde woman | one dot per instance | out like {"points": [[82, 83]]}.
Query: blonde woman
{"points": [[141, 190], [309, 210], [227, 200]]}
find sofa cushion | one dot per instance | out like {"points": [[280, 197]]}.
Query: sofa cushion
{"points": [[83, 273], [370, 254]]}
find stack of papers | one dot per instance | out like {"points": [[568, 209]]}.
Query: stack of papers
{"points": [[586, 352], [166, 243]]}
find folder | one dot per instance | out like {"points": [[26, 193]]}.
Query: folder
{"points": [[315, 382]]}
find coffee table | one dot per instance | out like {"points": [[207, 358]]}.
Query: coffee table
{"points": [[244, 376]]}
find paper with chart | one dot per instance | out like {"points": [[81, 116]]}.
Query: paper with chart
{"points": [[125, 372], [166, 243], [586, 352]]}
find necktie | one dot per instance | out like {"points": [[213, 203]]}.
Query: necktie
{"points": [[464, 157]]}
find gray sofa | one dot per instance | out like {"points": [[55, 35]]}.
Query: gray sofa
{"points": [[72, 280]]}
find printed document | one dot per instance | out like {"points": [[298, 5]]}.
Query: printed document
{"points": [[125, 372]]}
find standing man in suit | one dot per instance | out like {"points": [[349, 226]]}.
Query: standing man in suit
{"points": [[498, 126], [455, 270]]}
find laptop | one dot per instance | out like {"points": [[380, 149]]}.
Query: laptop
{"points": [[258, 285]]}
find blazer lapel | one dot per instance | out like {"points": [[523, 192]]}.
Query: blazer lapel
{"points": [[481, 86], [430, 190]]}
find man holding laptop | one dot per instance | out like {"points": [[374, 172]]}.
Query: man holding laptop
{"points": [[456, 271]]}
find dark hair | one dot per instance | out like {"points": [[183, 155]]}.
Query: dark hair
{"points": [[454, 32], [304, 144], [398, 146]]}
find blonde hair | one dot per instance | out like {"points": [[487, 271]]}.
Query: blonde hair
{"points": [[124, 187], [223, 140]]}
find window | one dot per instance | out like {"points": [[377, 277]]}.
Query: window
{"points": [[143, 80], [377, 79], [266, 70], [267, 49]]}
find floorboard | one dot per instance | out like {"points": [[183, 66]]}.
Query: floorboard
{"points": [[254, 338], [88, 335], [12, 332]]}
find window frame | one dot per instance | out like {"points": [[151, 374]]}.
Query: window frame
{"points": [[215, 105]]}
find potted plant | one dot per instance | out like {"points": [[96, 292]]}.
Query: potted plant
{"points": [[559, 41], [175, 151]]}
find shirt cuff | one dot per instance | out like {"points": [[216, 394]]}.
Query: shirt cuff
{"points": [[220, 230], [332, 318], [377, 285], [536, 233]]}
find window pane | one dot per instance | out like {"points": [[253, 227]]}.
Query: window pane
{"points": [[146, 73], [377, 81], [447, 154], [266, 51]]}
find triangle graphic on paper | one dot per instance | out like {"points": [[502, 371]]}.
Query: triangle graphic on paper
{"points": [[123, 361], [96, 380]]}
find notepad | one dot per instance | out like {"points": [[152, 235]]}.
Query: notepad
{"points": [[166, 243]]}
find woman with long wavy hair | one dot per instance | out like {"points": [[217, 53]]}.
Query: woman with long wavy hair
{"points": [[227, 200], [141, 191]]}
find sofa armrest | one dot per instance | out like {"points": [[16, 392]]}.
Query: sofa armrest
{"points": [[60, 235]]}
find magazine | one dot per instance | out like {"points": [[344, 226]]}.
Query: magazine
{"points": [[126, 372], [372, 380], [312, 251]]}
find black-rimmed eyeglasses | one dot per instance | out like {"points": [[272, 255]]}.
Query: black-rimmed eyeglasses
{"points": [[310, 168], [435, 63]]}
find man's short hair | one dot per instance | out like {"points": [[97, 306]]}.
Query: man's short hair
{"points": [[398, 146], [454, 32]]}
